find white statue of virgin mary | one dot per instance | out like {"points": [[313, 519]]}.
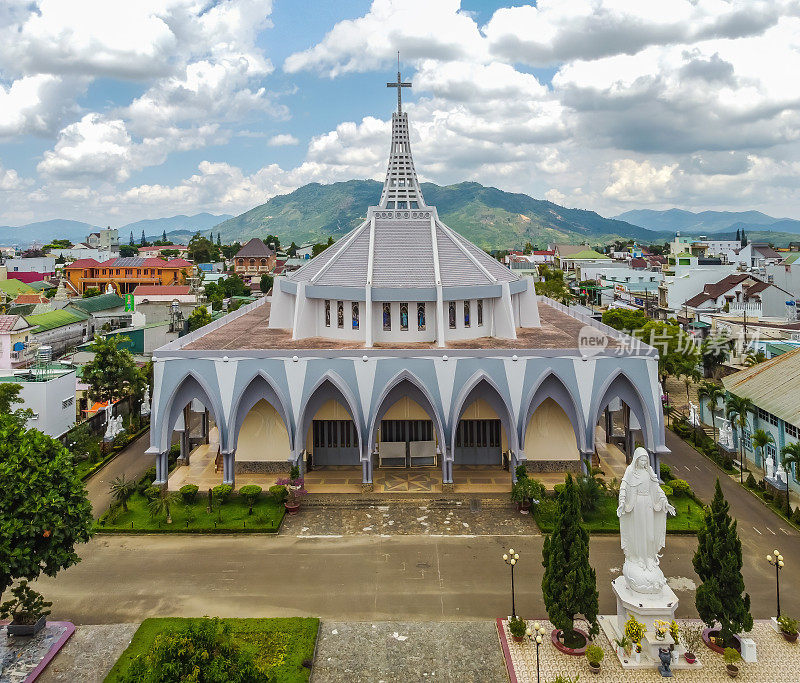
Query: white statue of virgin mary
{"points": [[642, 513]]}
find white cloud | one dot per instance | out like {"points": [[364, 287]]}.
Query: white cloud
{"points": [[36, 105], [283, 140]]}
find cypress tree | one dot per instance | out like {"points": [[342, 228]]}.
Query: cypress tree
{"points": [[569, 584], [718, 563]]}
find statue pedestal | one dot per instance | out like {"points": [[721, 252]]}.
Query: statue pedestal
{"points": [[778, 489], [646, 607]]}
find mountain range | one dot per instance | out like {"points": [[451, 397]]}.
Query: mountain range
{"points": [[178, 228], [710, 222], [489, 217]]}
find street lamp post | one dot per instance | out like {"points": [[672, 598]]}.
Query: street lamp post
{"points": [[536, 635], [776, 560], [510, 559]]}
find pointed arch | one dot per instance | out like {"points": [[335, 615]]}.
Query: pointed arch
{"points": [[404, 383], [619, 385], [550, 385], [482, 386], [261, 386], [329, 386], [191, 386]]}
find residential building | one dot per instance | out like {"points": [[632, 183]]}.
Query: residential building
{"points": [[79, 251], [107, 311], [42, 265], [774, 388], [568, 257], [61, 330], [380, 359], [105, 240], [14, 333], [158, 304], [739, 293], [254, 259], [786, 274], [125, 274], [683, 282], [155, 252], [757, 255]]}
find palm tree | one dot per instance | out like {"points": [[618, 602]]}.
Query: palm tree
{"points": [[712, 393], [121, 490], [791, 456], [736, 409], [760, 440], [754, 358], [160, 505]]}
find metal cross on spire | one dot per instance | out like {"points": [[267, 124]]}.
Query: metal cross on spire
{"points": [[399, 85]]}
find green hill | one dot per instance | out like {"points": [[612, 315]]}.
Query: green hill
{"points": [[487, 216]]}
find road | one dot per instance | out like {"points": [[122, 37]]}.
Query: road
{"points": [[132, 462]]}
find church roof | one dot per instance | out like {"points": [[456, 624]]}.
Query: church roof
{"points": [[402, 244]]}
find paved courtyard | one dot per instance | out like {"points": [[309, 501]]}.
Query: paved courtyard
{"points": [[467, 517], [372, 652], [777, 661]]}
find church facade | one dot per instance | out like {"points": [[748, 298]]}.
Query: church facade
{"points": [[404, 345]]}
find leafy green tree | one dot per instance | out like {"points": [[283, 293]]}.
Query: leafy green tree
{"points": [[58, 244], [162, 504], [224, 289], [737, 409], [230, 250], [754, 358], [760, 439], [89, 292], [688, 372], [127, 250], [624, 319], [122, 489], [112, 374], [569, 584], [202, 250], [9, 396], [202, 652], [169, 253], [83, 444], [712, 393], [527, 249], [791, 456], [266, 283], [718, 563], [44, 511], [198, 318], [292, 250], [273, 242]]}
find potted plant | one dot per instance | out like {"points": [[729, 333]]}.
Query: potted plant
{"points": [[27, 610], [294, 493], [594, 655], [788, 627], [691, 637], [623, 646], [519, 494], [731, 657], [516, 627], [660, 627]]}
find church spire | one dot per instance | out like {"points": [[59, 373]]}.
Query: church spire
{"points": [[401, 188]]}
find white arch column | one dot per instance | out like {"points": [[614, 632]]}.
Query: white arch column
{"points": [[229, 468]]}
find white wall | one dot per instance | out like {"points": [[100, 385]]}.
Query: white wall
{"points": [[690, 281], [44, 264], [412, 334], [549, 434], [786, 277], [263, 436], [46, 400]]}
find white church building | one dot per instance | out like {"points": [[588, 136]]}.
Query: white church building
{"points": [[402, 346]]}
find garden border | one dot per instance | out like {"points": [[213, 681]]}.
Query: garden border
{"points": [[111, 455]]}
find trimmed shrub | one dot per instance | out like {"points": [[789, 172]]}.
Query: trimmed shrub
{"points": [[796, 516], [152, 492], [665, 471], [751, 481], [147, 479], [767, 496], [762, 485], [667, 489], [681, 487], [727, 462], [189, 493], [279, 493], [250, 493], [222, 492]]}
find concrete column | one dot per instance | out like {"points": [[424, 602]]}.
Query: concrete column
{"points": [[609, 424], [513, 461], [162, 469], [366, 471], [655, 463], [205, 426], [228, 468]]}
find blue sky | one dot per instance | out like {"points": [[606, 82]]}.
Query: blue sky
{"points": [[114, 111]]}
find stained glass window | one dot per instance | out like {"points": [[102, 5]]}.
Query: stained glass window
{"points": [[451, 315], [355, 315], [466, 314], [387, 317], [327, 313], [480, 312], [340, 314], [421, 316]]}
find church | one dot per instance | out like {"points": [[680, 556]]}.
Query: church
{"points": [[402, 348]]}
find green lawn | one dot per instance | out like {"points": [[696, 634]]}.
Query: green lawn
{"points": [[231, 516], [688, 519], [279, 646]]}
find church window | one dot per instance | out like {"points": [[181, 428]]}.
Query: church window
{"points": [[340, 314], [403, 316], [241, 261], [355, 315], [252, 262], [263, 262], [451, 315], [480, 312], [327, 313], [387, 317], [466, 314], [421, 316]]}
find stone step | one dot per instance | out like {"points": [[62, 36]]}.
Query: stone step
{"points": [[432, 502]]}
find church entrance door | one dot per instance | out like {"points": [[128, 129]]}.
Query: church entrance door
{"points": [[406, 443], [478, 442], [335, 443]]}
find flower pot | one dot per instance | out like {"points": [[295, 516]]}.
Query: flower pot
{"points": [[524, 506], [594, 668], [292, 508], [518, 639], [732, 669], [789, 637], [690, 657], [27, 629]]}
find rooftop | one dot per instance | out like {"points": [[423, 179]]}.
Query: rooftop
{"points": [[249, 331], [161, 290], [255, 247], [101, 302], [54, 319]]}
